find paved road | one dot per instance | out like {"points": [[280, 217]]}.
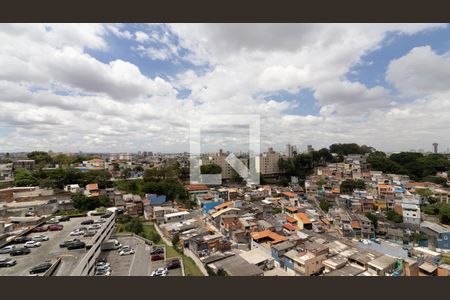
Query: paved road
{"points": [[49, 250]]}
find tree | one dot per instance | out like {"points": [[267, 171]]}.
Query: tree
{"points": [[210, 169], [40, 157], [222, 272], [444, 214], [352, 148], [373, 218], [325, 205], [393, 216], [24, 177], [134, 225]]}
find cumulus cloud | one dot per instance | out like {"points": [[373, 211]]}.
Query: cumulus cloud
{"points": [[420, 72], [55, 94]]}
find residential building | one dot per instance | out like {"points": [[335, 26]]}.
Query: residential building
{"points": [[438, 235], [267, 162]]}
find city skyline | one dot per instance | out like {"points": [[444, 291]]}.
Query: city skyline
{"points": [[129, 87]]}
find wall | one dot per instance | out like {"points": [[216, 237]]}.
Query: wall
{"points": [[197, 261]]}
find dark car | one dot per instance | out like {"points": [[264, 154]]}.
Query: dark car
{"points": [[157, 251], [64, 219], [157, 257], [7, 262], [174, 264], [76, 245], [67, 243], [39, 229], [107, 215], [55, 227], [40, 268], [21, 240], [20, 251], [87, 222]]}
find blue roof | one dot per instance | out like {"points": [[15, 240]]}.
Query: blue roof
{"points": [[156, 199]]}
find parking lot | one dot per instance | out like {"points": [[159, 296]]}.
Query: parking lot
{"points": [[49, 251], [138, 264]]}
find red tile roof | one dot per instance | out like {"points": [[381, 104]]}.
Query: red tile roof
{"points": [[304, 218], [196, 187]]}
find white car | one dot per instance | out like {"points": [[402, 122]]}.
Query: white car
{"points": [[124, 247], [103, 269], [102, 264], [76, 233], [7, 249], [160, 272], [126, 252], [99, 221], [32, 244], [40, 238], [95, 226], [102, 273]]}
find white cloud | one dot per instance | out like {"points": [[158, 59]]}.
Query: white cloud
{"points": [[420, 72], [57, 96], [141, 36]]}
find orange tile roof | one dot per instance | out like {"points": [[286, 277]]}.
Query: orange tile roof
{"points": [[196, 187], [384, 186], [355, 224], [275, 237], [207, 197], [291, 227], [304, 218], [223, 205], [92, 186], [292, 209], [325, 221], [336, 190], [291, 219], [289, 194]]}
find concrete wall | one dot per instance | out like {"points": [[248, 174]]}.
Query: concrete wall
{"points": [[197, 261]]}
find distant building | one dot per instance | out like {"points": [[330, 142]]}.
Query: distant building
{"points": [[92, 190], [438, 235], [267, 162], [435, 147], [23, 164], [290, 150]]}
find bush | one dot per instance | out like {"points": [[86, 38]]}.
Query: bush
{"points": [[393, 216], [325, 205]]}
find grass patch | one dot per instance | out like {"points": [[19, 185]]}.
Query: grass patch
{"points": [[190, 268], [446, 259]]}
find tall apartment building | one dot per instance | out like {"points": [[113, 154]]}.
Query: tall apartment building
{"points": [[220, 160], [267, 162], [290, 150]]}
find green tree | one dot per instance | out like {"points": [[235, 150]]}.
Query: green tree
{"points": [[40, 157], [373, 218], [24, 177], [135, 226], [210, 169], [325, 205], [393, 216]]}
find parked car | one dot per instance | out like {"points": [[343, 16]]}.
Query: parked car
{"points": [[126, 252], [53, 221], [95, 226], [174, 264], [55, 227], [40, 238], [103, 268], [160, 272], [89, 233], [76, 233], [102, 273], [67, 243], [21, 240], [41, 268], [7, 249], [99, 221], [64, 219], [123, 247], [32, 244], [20, 251], [76, 245], [102, 264], [157, 251], [7, 262], [106, 216], [101, 260], [39, 229], [87, 222], [157, 257]]}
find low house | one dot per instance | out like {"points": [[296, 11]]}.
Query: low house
{"points": [[438, 235], [92, 190], [307, 262], [383, 265], [265, 239], [258, 258], [303, 221], [156, 200], [235, 265], [72, 188], [334, 263], [278, 251], [176, 216]]}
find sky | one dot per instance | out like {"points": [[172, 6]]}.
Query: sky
{"points": [[140, 87]]}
